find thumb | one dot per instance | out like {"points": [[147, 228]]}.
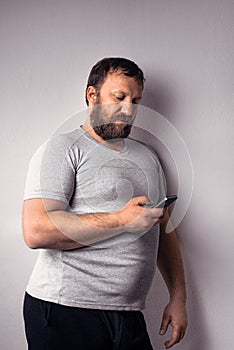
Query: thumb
{"points": [[141, 200], [164, 325]]}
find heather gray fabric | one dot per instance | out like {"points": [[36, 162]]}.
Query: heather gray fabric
{"points": [[89, 177]]}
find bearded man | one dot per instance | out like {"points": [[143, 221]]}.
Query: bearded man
{"points": [[84, 207]]}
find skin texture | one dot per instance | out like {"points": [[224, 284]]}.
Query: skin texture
{"points": [[46, 224]]}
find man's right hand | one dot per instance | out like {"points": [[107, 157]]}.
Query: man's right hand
{"points": [[138, 219]]}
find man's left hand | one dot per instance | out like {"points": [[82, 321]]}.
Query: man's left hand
{"points": [[175, 316]]}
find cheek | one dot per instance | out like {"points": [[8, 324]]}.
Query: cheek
{"points": [[110, 109]]}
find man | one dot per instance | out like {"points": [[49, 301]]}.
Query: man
{"points": [[85, 208]]}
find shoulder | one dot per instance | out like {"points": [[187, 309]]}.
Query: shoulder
{"points": [[54, 149], [65, 140]]}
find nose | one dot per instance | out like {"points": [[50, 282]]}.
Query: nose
{"points": [[128, 108]]}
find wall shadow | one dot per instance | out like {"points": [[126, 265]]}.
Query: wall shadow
{"points": [[159, 97]]}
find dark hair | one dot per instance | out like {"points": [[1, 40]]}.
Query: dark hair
{"points": [[107, 65]]}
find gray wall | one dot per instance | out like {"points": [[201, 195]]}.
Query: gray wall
{"points": [[186, 51]]}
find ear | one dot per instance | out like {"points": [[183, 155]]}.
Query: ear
{"points": [[91, 95]]}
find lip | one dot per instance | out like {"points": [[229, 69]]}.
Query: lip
{"points": [[120, 122]]}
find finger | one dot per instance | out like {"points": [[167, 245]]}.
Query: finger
{"points": [[156, 213], [182, 335], [175, 338], [161, 218], [141, 200], [165, 213], [164, 325]]}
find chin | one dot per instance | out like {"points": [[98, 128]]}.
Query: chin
{"points": [[108, 132]]}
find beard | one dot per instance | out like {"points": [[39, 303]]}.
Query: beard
{"points": [[116, 126]]}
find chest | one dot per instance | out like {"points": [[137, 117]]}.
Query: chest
{"points": [[107, 182]]}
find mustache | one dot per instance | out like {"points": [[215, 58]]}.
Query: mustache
{"points": [[128, 119]]}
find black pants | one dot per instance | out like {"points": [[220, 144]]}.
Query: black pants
{"points": [[50, 326]]}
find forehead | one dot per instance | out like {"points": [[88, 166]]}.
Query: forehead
{"points": [[119, 81]]}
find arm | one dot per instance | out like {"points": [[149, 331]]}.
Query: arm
{"points": [[170, 265], [47, 224]]}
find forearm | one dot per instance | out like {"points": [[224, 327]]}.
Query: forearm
{"points": [[63, 230], [47, 224], [85, 229], [170, 264]]}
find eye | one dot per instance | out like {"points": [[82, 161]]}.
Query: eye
{"points": [[119, 98]]}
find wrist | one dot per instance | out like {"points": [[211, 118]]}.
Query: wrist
{"points": [[178, 297], [119, 218]]}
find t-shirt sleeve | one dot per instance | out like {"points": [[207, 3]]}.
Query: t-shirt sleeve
{"points": [[52, 171]]}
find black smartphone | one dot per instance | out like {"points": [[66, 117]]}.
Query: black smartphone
{"points": [[163, 203]]}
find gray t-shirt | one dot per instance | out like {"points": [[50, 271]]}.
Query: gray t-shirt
{"points": [[115, 274]]}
